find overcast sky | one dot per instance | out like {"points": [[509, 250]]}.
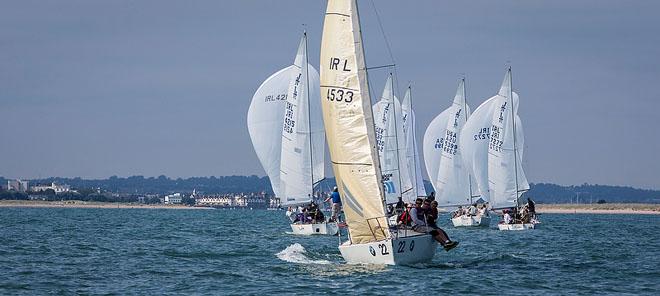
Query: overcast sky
{"points": [[101, 88]]}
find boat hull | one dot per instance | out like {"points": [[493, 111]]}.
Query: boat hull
{"points": [[330, 228], [415, 248], [517, 226], [471, 221]]}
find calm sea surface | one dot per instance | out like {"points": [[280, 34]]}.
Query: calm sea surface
{"points": [[149, 251]]}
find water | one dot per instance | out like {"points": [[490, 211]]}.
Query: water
{"points": [[149, 251]]}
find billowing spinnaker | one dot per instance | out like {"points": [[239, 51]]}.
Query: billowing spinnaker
{"points": [[474, 145], [349, 124], [391, 143], [412, 155], [302, 133], [452, 178], [265, 119]]}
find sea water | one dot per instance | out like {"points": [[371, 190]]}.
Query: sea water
{"points": [[245, 252]]}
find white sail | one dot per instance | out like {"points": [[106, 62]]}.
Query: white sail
{"points": [[302, 133], [349, 123], [412, 155], [492, 169], [266, 117], [392, 147], [442, 152], [506, 178]]}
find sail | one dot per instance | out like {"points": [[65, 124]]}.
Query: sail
{"points": [[349, 123], [493, 170], [473, 141], [506, 178], [451, 178], [265, 119], [302, 133], [412, 155], [391, 143]]}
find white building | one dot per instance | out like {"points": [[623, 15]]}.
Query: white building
{"points": [[173, 198], [17, 185], [55, 187]]}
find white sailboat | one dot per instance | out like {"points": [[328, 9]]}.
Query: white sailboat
{"points": [[412, 155], [351, 136], [303, 143], [288, 140], [450, 178], [391, 143], [492, 142]]}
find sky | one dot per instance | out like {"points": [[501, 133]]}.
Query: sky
{"points": [[99, 88]]}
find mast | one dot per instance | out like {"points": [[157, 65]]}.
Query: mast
{"points": [[414, 142], [309, 117], [466, 117], [515, 150], [396, 138]]}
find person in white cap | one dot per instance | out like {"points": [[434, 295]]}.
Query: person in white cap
{"points": [[336, 203]]}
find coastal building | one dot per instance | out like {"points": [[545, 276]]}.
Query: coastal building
{"points": [[173, 198], [252, 200], [17, 185], [58, 188]]}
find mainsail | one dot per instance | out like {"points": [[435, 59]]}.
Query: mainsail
{"points": [[491, 156], [412, 155], [303, 138], [442, 153], [266, 117], [391, 143], [506, 178], [349, 123]]}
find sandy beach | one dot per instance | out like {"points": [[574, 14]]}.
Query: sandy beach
{"points": [[89, 204], [648, 209]]}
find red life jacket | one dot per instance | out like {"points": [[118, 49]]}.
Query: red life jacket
{"points": [[405, 217]]}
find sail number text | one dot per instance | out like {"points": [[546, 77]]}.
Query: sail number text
{"points": [[339, 95]]}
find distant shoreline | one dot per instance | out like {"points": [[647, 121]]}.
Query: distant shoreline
{"points": [[90, 205], [614, 208]]}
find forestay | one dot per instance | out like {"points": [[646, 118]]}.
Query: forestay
{"points": [[303, 138], [391, 143], [442, 152], [349, 123], [412, 155]]}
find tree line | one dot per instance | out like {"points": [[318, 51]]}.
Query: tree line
{"points": [[131, 187]]}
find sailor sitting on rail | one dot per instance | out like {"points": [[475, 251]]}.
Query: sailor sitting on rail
{"points": [[418, 215]]}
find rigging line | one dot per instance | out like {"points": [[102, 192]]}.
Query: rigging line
{"points": [[387, 43], [379, 67], [382, 31]]}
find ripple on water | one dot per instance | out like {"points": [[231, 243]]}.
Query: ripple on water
{"points": [[113, 251]]}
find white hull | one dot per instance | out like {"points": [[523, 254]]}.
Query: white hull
{"points": [[414, 248], [517, 226], [330, 228], [471, 221]]}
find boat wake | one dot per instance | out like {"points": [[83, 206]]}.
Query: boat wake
{"points": [[296, 253]]}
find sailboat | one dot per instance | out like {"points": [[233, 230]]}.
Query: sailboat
{"points": [[409, 132], [351, 137], [288, 140], [450, 178], [303, 144], [492, 142], [391, 143]]}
